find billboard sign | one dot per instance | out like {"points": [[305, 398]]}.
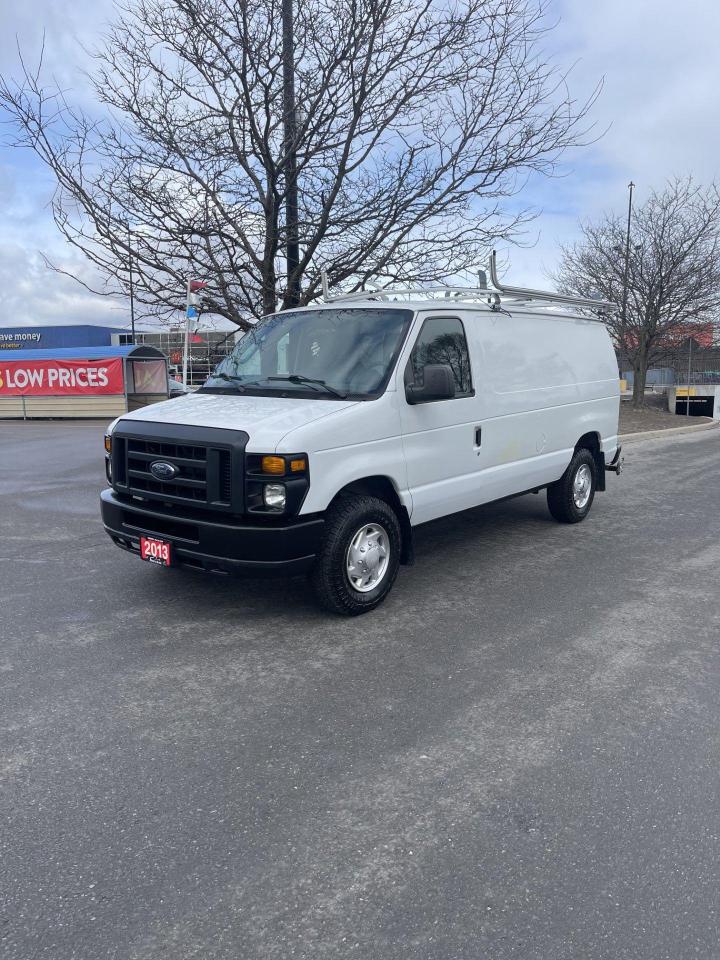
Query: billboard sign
{"points": [[20, 339], [63, 378]]}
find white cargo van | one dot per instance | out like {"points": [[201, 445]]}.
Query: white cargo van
{"points": [[331, 431]]}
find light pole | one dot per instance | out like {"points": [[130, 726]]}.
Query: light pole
{"points": [[132, 285], [193, 301], [631, 187], [292, 296]]}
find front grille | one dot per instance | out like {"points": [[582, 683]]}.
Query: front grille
{"points": [[208, 462], [191, 462]]}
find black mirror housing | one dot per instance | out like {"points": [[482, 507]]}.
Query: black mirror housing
{"points": [[438, 384]]}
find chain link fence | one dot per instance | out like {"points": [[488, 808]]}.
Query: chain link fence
{"points": [[679, 364]]}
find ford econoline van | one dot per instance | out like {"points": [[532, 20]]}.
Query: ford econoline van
{"points": [[332, 431]]}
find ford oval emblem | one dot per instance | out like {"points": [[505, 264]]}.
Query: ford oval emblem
{"points": [[162, 470]]}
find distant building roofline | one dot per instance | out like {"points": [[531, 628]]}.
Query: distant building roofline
{"points": [[84, 353]]}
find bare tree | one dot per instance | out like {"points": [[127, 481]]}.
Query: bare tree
{"points": [[416, 119], [673, 270]]}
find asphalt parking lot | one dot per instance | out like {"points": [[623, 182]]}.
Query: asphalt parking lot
{"points": [[517, 756]]}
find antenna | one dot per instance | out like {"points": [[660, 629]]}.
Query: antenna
{"points": [[325, 285]]}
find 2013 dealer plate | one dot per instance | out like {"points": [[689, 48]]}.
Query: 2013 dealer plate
{"points": [[156, 551]]}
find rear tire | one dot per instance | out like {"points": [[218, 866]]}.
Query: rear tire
{"points": [[360, 555], [570, 498]]}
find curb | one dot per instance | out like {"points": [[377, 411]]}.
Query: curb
{"points": [[668, 431]]}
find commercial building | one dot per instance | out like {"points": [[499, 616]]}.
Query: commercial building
{"points": [[207, 347], [56, 338]]}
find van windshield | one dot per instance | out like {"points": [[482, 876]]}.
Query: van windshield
{"points": [[329, 354]]}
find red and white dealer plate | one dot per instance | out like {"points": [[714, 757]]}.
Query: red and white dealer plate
{"points": [[156, 551]]}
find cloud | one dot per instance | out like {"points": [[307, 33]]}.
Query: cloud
{"points": [[658, 108], [661, 75]]}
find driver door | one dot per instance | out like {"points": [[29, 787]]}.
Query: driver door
{"points": [[441, 438]]}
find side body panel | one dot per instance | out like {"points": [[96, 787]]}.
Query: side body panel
{"points": [[548, 381], [540, 381]]}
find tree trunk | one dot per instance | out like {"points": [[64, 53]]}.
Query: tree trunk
{"points": [[639, 378], [269, 288]]}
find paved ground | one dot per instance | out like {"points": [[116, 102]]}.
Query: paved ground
{"points": [[653, 416], [518, 756]]}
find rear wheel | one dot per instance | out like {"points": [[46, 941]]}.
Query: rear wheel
{"points": [[570, 497], [360, 555]]}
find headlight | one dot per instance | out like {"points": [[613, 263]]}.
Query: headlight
{"points": [[276, 483], [274, 496]]}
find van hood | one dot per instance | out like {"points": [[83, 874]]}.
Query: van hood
{"points": [[266, 419]]}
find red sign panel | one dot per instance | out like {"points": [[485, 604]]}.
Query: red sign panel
{"points": [[65, 378]]}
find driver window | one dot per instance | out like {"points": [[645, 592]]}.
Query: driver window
{"points": [[442, 340]]}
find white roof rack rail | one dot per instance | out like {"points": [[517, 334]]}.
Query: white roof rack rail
{"points": [[523, 293], [494, 296]]}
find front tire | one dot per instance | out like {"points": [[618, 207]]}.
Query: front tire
{"points": [[359, 559], [570, 498]]}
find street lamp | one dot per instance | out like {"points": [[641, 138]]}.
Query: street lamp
{"points": [[132, 286], [290, 147], [631, 187]]}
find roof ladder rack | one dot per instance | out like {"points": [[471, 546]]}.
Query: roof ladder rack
{"points": [[548, 296], [493, 296]]}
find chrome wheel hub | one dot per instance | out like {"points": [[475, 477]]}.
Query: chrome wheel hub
{"points": [[367, 558], [582, 486]]}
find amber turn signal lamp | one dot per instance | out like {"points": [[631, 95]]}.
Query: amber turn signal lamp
{"points": [[274, 465], [108, 443], [297, 466]]}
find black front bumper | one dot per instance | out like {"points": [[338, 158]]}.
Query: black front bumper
{"points": [[223, 544]]}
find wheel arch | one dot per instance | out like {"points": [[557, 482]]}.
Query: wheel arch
{"points": [[591, 441], [382, 487]]}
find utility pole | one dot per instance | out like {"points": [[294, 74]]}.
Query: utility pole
{"points": [[132, 286], [631, 187], [292, 297], [193, 302], [186, 338]]}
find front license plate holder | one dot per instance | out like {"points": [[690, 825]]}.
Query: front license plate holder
{"points": [[155, 550]]}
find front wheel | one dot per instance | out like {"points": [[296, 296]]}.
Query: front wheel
{"points": [[360, 555], [570, 498]]}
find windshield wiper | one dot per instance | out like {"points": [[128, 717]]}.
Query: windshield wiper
{"points": [[227, 377], [299, 378], [239, 382]]}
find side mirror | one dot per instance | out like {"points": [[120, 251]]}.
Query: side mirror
{"points": [[438, 384]]}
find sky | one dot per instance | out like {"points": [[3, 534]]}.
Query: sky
{"points": [[656, 117]]}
